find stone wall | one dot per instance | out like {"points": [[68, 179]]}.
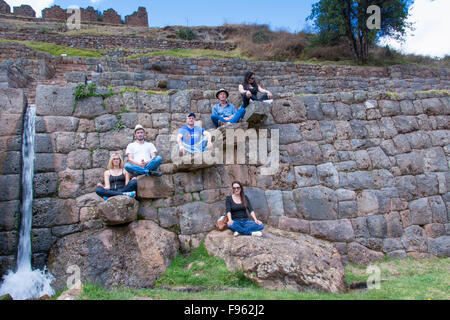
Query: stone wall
{"points": [[4, 7], [111, 16], [24, 11], [366, 170], [139, 18], [54, 13], [12, 108], [108, 41], [89, 15]]}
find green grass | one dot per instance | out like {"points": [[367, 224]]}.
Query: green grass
{"points": [[407, 279], [56, 50], [201, 269], [193, 53]]}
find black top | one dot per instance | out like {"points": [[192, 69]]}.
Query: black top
{"points": [[238, 210], [254, 90], [116, 182]]}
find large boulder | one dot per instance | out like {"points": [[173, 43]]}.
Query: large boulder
{"points": [[118, 210], [133, 256], [281, 259]]}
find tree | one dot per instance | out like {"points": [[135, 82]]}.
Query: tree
{"points": [[351, 19]]}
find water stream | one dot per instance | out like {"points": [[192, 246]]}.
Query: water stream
{"points": [[26, 283]]}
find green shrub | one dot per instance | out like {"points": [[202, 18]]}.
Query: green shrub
{"points": [[186, 34]]}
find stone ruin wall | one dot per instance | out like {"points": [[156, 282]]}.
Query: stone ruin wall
{"points": [[89, 15], [365, 170]]}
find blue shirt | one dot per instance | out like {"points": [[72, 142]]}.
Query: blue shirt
{"points": [[226, 111], [191, 136]]}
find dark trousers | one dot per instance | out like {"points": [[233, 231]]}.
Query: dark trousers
{"points": [[131, 186], [246, 101]]}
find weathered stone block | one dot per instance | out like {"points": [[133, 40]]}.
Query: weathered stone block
{"points": [[306, 176], [377, 226], [55, 101], [150, 187], [337, 230], [440, 246], [414, 239], [361, 255], [289, 111], [328, 175], [316, 203], [348, 209], [420, 211], [304, 153], [196, 217], [293, 224]]}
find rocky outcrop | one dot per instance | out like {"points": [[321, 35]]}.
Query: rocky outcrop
{"points": [[118, 210], [281, 259], [131, 256]]}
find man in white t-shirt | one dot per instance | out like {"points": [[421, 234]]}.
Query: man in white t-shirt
{"points": [[142, 158]]}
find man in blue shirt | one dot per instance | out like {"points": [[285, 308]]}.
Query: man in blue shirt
{"points": [[225, 112], [192, 138]]}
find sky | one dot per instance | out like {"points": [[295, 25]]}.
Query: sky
{"points": [[432, 27]]}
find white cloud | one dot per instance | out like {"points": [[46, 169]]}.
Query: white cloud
{"points": [[432, 27], [37, 5], [95, 1]]}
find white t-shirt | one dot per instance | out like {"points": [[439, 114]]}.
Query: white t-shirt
{"points": [[141, 151]]}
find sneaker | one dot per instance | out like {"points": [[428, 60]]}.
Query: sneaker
{"points": [[131, 194], [155, 173], [105, 198], [268, 101], [257, 234], [236, 233]]}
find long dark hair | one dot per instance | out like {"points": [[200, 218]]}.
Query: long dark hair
{"points": [[242, 194], [247, 76]]}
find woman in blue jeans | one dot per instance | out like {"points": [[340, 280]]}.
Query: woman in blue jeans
{"points": [[249, 90], [117, 180], [237, 206]]}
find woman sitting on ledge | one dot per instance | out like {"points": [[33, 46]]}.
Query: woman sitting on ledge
{"points": [[117, 180], [249, 90], [237, 206]]}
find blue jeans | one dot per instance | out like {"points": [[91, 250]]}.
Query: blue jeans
{"points": [[245, 226], [199, 147], [237, 116], [246, 101], [137, 170], [102, 192]]}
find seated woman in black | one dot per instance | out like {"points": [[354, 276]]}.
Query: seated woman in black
{"points": [[237, 206], [117, 180], [249, 90]]}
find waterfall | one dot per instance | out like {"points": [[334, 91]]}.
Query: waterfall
{"points": [[26, 283]]}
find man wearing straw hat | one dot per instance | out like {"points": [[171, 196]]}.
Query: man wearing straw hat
{"points": [[142, 155]]}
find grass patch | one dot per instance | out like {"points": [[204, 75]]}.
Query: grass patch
{"points": [[193, 53], [202, 270], [407, 279], [56, 50]]}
